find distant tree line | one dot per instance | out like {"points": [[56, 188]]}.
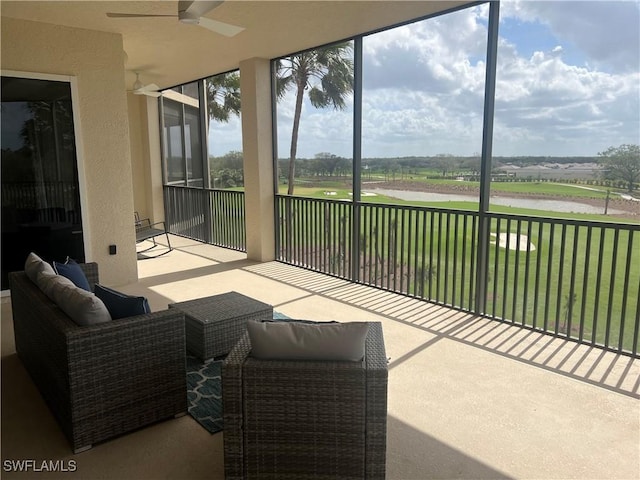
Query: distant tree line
{"points": [[227, 171], [620, 168]]}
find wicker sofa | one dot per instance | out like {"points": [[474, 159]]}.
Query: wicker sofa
{"points": [[102, 380], [301, 419]]}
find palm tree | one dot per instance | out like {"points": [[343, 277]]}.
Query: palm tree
{"points": [[326, 73], [223, 101], [223, 96]]}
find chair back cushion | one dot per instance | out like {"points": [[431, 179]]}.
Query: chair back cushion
{"points": [[307, 341]]}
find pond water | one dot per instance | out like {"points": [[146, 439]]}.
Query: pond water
{"points": [[536, 204]]}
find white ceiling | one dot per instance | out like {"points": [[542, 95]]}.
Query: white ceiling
{"points": [[167, 52]]}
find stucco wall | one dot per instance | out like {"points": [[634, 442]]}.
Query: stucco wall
{"points": [[96, 60]]}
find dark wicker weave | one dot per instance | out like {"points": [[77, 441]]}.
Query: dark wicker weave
{"points": [[305, 419], [215, 324], [103, 380]]}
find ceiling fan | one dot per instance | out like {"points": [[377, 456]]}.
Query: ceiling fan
{"points": [[191, 13], [150, 90]]}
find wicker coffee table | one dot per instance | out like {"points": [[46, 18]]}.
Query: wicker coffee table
{"points": [[213, 325]]}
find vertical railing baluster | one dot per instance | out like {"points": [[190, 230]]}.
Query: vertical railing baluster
{"points": [[536, 289], [496, 264], [344, 222], [625, 291], [446, 256], [563, 241], [454, 269], [401, 226], [386, 252], [516, 267], [507, 255], [302, 229], [432, 272], [525, 296], [636, 327], [596, 296], [612, 285], [572, 284], [439, 256], [423, 266], [516, 272], [416, 253], [463, 256], [547, 301], [323, 236], [585, 283], [472, 269], [305, 227], [394, 264], [373, 244]]}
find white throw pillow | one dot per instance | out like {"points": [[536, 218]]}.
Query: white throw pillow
{"points": [[308, 341], [34, 265]]}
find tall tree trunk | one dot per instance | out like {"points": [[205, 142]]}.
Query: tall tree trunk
{"points": [[294, 136]]}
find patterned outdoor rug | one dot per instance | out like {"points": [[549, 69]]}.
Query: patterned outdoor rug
{"points": [[204, 390]]}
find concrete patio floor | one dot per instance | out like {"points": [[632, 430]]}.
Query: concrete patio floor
{"points": [[468, 397]]}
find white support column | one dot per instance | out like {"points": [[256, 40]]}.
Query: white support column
{"points": [[255, 87], [155, 198], [144, 131]]}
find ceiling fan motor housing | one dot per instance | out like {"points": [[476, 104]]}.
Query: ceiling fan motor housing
{"points": [[189, 12], [188, 18]]}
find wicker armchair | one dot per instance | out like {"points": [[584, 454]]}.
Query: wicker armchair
{"points": [[287, 419]]}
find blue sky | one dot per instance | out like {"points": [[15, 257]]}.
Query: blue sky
{"points": [[568, 84]]}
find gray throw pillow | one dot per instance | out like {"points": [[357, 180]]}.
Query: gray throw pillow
{"points": [[305, 341], [47, 282], [34, 265], [83, 307]]}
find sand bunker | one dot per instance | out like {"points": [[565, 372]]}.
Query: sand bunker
{"points": [[516, 242]]}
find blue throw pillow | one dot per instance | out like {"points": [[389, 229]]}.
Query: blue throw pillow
{"points": [[73, 272], [121, 305]]}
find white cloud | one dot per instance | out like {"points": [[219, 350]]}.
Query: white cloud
{"points": [[568, 84], [606, 31], [225, 137]]}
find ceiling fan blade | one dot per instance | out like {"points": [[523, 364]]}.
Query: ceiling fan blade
{"points": [[134, 15], [225, 29], [198, 7], [148, 94], [150, 90]]}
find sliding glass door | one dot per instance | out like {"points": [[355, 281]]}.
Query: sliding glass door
{"points": [[40, 195]]}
